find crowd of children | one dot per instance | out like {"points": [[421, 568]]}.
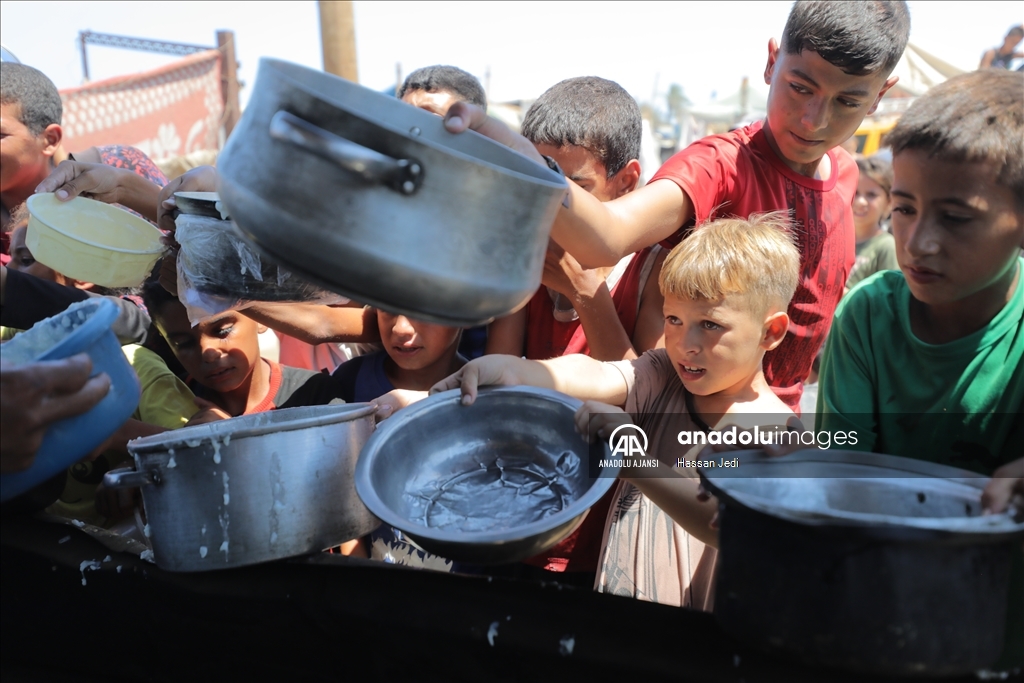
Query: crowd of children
{"points": [[707, 293]]}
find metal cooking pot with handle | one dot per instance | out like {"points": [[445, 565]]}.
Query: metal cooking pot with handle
{"points": [[374, 199], [253, 488], [867, 562]]}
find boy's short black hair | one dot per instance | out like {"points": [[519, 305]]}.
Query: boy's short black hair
{"points": [[441, 78], [34, 92], [977, 116], [155, 297], [589, 112], [858, 37]]}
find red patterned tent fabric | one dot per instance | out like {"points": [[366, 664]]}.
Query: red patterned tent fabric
{"points": [[167, 112]]}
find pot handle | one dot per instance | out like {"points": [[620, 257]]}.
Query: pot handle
{"points": [[401, 175], [129, 479]]}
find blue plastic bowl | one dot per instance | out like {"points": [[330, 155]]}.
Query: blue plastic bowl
{"points": [[84, 327]]}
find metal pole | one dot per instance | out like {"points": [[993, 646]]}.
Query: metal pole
{"points": [[85, 57]]}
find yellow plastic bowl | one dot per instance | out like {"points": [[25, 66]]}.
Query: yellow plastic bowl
{"points": [[91, 241]]}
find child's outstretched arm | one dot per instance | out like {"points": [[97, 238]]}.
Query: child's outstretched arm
{"points": [[596, 233], [579, 376], [317, 323], [674, 491]]}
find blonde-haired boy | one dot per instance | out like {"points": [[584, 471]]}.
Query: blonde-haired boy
{"points": [[726, 288]]}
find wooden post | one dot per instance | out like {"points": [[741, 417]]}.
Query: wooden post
{"points": [[228, 79], [338, 39]]}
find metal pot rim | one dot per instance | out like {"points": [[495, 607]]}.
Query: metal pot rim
{"points": [[545, 176], [435, 402], [999, 527], [186, 437]]}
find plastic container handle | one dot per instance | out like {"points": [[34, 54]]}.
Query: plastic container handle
{"points": [[129, 479], [402, 175]]}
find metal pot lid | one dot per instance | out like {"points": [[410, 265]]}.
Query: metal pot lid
{"points": [[856, 489]]}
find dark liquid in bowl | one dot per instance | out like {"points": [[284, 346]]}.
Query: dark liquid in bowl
{"points": [[499, 488]]}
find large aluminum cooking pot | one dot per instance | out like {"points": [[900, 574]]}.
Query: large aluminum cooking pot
{"points": [[866, 562], [254, 488], [374, 199], [495, 482]]}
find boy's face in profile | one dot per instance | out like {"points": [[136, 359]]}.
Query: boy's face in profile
{"points": [[219, 354], [958, 232], [717, 346], [813, 105], [413, 344], [22, 154], [584, 168]]}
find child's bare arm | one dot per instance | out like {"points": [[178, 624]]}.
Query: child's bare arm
{"points": [[596, 233], [650, 321], [316, 323], [600, 233], [606, 337], [103, 183], [507, 335], [589, 295], [576, 375]]}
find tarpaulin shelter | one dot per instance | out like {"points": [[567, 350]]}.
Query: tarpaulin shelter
{"points": [[170, 111]]}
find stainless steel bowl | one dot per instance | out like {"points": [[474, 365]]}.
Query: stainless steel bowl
{"points": [[495, 482]]}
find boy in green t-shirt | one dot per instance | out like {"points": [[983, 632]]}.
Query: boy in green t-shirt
{"points": [[927, 363]]}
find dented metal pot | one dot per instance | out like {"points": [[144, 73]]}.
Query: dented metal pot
{"points": [[253, 488]]}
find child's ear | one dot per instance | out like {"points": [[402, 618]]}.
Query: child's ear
{"points": [[78, 284], [52, 136], [260, 329], [627, 179], [773, 56], [775, 327], [881, 93]]}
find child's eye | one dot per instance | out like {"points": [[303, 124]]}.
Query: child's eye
{"points": [[672, 320], [849, 104], [224, 332], [708, 325], [955, 218], [26, 261], [799, 88], [184, 345], [903, 209]]}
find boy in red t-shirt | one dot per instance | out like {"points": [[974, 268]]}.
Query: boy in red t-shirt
{"points": [[830, 72], [591, 127]]}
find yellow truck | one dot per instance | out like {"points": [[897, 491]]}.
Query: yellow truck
{"points": [[871, 134]]}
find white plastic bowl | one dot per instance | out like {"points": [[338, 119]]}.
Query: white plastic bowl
{"points": [[91, 241]]}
